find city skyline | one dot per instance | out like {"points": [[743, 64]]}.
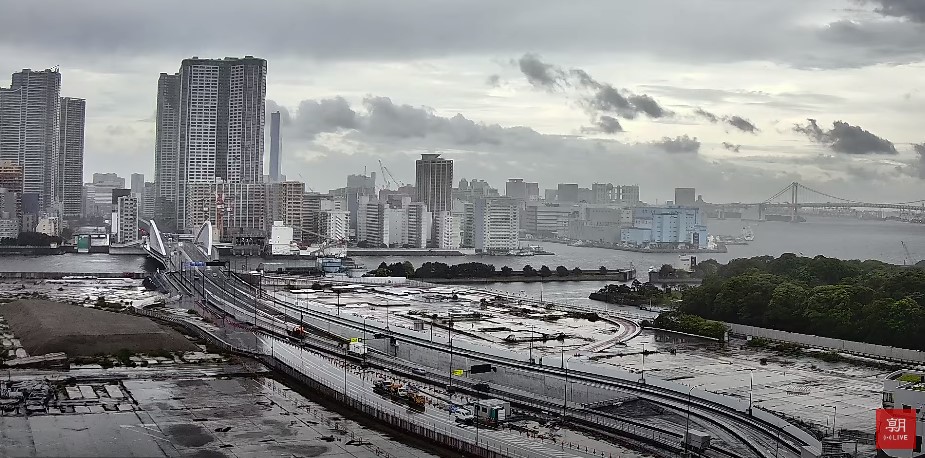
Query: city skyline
{"points": [[734, 113]]}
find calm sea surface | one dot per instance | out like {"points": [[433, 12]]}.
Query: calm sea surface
{"points": [[839, 238]]}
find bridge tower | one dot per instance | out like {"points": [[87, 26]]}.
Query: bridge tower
{"points": [[794, 205]]}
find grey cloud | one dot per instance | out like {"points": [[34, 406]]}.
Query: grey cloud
{"points": [[735, 121], [119, 129], [328, 115], [741, 123], [493, 80], [682, 144], [845, 138], [116, 31], [648, 105], [606, 98], [541, 74], [731, 147], [606, 124], [919, 164], [706, 115], [913, 10]]}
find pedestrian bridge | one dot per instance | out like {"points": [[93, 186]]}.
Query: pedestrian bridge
{"points": [[163, 247]]}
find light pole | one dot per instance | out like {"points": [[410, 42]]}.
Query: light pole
{"points": [[751, 387], [687, 430], [532, 332], [450, 333], [643, 363]]}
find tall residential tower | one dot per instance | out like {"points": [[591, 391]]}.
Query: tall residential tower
{"points": [[29, 117], [71, 156], [219, 110]]}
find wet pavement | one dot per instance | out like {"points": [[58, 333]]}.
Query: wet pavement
{"points": [[193, 415]]}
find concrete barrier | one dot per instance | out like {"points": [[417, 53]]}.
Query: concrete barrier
{"points": [[847, 346]]}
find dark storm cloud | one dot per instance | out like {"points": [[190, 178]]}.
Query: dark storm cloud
{"points": [[845, 138], [606, 124], [682, 144], [541, 74], [731, 147], [913, 10], [741, 123]]}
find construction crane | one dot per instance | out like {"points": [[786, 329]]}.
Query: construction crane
{"points": [[387, 174], [908, 260], [327, 242]]}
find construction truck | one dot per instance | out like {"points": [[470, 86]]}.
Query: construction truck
{"points": [[297, 332], [401, 394]]}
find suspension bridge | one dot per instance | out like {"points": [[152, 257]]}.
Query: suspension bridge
{"points": [[796, 196]]}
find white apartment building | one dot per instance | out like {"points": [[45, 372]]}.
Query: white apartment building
{"points": [[447, 230], [127, 208], [370, 221], [420, 225], [496, 224], [334, 224]]}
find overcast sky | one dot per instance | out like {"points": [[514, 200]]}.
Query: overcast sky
{"points": [[734, 97]]}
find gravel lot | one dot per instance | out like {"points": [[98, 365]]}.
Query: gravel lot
{"points": [[47, 327]]}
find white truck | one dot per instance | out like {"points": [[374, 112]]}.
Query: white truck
{"points": [[697, 440], [357, 348]]}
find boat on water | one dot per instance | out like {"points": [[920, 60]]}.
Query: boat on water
{"points": [[747, 234]]}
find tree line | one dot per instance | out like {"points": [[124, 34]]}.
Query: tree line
{"points": [[634, 294], [867, 301], [472, 270]]}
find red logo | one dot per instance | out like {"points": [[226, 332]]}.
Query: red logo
{"points": [[895, 429]]}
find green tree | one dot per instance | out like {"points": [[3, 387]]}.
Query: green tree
{"points": [[545, 272], [507, 271], [562, 271], [529, 271], [576, 272]]}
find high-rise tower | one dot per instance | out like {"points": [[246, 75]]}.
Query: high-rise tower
{"points": [[434, 182], [166, 152], [29, 117], [219, 110], [71, 156], [274, 148]]}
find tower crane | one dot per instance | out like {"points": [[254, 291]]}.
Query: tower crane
{"points": [[387, 174]]}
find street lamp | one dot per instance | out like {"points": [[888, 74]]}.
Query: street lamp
{"points": [[687, 430]]}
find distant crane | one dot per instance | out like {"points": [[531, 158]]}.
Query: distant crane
{"points": [[387, 174], [908, 260]]}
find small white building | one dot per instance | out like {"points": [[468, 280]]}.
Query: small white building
{"points": [[280, 239], [905, 389], [49, 225]]}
